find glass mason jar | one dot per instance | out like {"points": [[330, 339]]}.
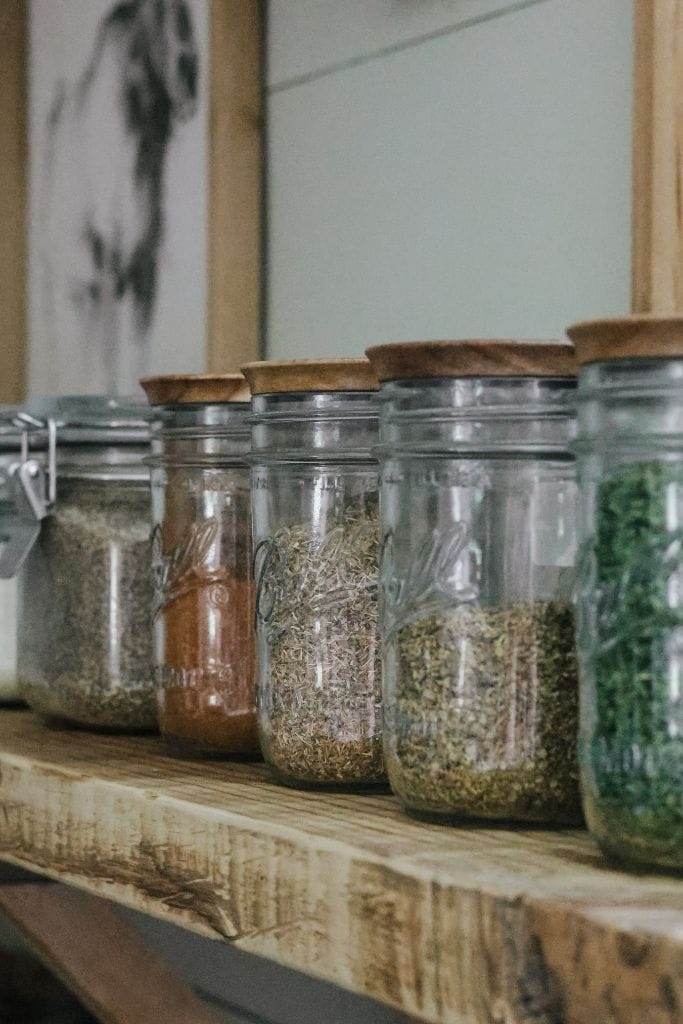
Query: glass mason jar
{"points": [[630, 607], [10, 440], [204, 592], [478, 499], [85, 595], [316, 531]]}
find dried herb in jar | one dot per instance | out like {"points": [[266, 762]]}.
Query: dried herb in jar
{"points": [[484, 717], [321, 704], [85, 621], [635, 752]]}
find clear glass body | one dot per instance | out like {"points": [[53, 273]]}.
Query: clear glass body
{"points": [[204, 591], [85, 603], [316, 529], [630, 461], [478, 498], [9, 686]]}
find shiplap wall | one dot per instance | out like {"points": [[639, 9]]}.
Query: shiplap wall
{"points": [[445, 167]]}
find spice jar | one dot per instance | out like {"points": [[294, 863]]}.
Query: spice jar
{"points": [[204, 592], [478, 500], [316, 530], [85, 595], [10, 439], [630, 625]]}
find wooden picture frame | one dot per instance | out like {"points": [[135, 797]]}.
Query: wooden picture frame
{"points": [[657, 226], [13, 198], [236, 128], [234, 189]]}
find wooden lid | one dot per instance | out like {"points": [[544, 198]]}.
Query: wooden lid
{"points": [[407, 360], [276, 378], [627, 337], [196, 388]]}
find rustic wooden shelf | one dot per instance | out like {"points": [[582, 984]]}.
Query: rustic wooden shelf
{"points": [[465, 926]]}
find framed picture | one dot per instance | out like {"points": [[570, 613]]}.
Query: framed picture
{"points": [[143, 195]]}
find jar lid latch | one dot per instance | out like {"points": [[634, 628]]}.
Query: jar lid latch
{"points": [[32, 491]]}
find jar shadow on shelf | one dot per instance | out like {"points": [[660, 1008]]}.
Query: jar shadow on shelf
{"points": [[66, 725]]}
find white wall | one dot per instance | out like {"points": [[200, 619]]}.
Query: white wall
{"points": [[445, 167]]}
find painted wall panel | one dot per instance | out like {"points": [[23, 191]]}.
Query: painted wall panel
{"points": [[478, 183], [308, 36]]}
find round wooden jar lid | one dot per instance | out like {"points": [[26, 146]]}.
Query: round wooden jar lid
{"points": [[628, 337], [414, 360], [196, 388], [304, 375]]}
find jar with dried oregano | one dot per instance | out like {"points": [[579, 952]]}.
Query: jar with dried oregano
{"points": [[85, 597], [478, 509], [202, 554], [630, 447], [316, 527]]}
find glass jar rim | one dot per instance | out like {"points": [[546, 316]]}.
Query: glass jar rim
{"points": [[91, 419]]}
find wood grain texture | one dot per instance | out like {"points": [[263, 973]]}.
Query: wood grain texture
{"points": [[460, 926], [657, 264], [191, 388], [100, 957], [630, 337], [235, 184], [13, 196], [273, 376], [406, 360]]}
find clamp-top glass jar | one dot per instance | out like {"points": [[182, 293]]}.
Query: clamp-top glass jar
{"points": [[630, 462], [478, 502], [204, 592], [316, 529], [85, 597], [11, 433]]}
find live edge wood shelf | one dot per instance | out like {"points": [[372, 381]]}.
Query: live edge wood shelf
{"points": [[466, 926]]}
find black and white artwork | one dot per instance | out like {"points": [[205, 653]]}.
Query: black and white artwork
{"points": [[118, 140]]}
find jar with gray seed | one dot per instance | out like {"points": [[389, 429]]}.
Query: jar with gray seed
{"points": [[85, 599]]}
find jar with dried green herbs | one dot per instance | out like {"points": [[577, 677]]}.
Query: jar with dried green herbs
{"points": [[85, 596], [478, 507], [316, 531], [630, 457]]}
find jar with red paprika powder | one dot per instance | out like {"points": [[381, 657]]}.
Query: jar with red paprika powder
{"points": [[204, 594]]}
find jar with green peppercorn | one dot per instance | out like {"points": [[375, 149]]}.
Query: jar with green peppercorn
{"points": [[478, 507], [630, 461]]}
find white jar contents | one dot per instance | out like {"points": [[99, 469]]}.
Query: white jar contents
{"points": [[9, 691]]}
